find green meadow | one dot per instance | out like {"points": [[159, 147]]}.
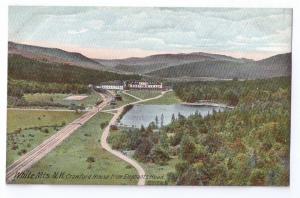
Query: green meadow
{"points": [[167, 99], [144, 94], [81, 156], [27, 129]]}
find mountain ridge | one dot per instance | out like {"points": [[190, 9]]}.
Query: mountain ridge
{"points": [[274, 66], [195, 64], [54, 55]]}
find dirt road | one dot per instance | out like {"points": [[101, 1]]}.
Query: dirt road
{"points": [[120, 155]]}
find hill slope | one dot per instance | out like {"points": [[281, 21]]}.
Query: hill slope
{"points": [[53, 55], [279, 65], [21, 68]]}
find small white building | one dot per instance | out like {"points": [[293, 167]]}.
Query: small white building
{"points": [[112, 85]]}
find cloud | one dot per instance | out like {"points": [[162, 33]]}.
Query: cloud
{"points": [[155, 29]]}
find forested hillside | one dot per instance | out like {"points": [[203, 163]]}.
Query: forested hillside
{"points": [[22, 68]]}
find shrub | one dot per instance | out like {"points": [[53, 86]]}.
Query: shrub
{"points": [[90, 159], [14, 147]]}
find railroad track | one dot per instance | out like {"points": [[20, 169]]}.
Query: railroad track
{"points": [[33, 156]]}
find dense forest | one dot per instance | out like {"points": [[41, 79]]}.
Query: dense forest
{"points": [[18, 87], [248, 145], [21, 68]]}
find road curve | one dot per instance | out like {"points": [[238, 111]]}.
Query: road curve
{"points": [[120, 155], [33, 156]]}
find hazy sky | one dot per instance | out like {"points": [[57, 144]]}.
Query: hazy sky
{"points": [[107, 32]]}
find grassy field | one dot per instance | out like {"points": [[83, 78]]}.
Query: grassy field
{"points": [[71, 159], [60, 99], [26, 118], [26, 129], [168, 98], [143, 94]]}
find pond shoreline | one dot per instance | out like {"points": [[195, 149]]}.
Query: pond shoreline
{"points": [[213, 104]]}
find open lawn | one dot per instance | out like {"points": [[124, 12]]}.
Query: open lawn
{"points": [[144, 94], [58, 98], [168, 98], [27, 129], [81, 160]]}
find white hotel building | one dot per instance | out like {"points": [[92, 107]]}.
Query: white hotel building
{"points": [[120, 85], [144, 85]]}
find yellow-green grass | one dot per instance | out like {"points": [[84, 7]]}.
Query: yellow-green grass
{"points": [[157, 174], [27, 129], [166, 99], [60, 99], [21, 119], [144, 94], [70, 158], [125, 100]]}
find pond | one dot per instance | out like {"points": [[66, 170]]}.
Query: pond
{"points": [[145, 114]]}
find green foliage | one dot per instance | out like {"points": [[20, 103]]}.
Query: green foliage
{"points": [[158, 155], [17, 88], [234, 92], [187, 148], [245, 146], [258, 177]]}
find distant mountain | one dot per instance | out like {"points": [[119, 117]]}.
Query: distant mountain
{"points": [[53, 55], [170, 66], [160, 61], [278, 65]]}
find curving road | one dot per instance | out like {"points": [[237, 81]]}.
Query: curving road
{"points": [[33, 156], [120, 155]]}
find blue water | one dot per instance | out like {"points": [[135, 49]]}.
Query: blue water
{"points": [[145, 114]]}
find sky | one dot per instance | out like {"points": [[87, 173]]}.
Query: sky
{"points": [[115, 32]]}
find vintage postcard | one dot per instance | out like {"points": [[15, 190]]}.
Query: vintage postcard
{"points": [[149, 96]]}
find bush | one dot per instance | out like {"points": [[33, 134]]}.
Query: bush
{"points": [[21, 152], [46, 130], [14, 147], [90, 159], [258, 177], [103, 124], [158, 155]]}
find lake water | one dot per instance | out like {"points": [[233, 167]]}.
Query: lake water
{"points": [[145, 114]]}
